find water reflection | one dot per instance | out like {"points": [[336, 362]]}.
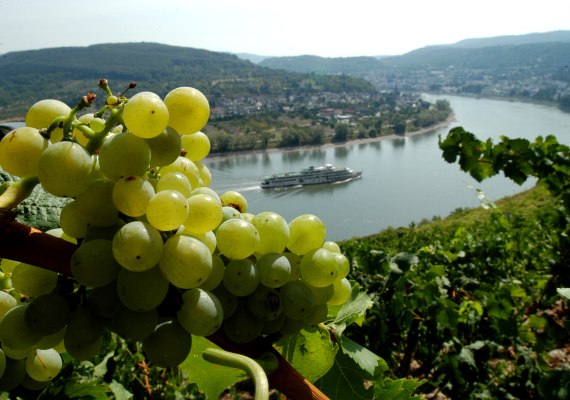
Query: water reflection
{"points": [[398, 143], [341, 151]]}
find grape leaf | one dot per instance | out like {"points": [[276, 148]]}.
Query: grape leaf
{"points": [[365, 359], [345, 380], [399, 389], [353, 311], [311, 352], [119, 391], [212, 379], [41, 210], [564, 292], [86, 390]]}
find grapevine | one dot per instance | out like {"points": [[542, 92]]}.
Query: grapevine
{"points": [[144, 239]]}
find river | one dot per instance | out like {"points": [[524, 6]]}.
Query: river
{"points": [[404, 180]]}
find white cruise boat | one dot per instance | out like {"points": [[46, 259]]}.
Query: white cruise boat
{"points": [[310, 176]]}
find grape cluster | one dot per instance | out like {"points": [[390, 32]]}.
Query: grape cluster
{"points": [[161, 256]]}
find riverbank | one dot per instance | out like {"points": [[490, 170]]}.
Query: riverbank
{"points": [[442, 124]]}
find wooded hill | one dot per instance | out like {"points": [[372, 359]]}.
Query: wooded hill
{"points": [[62, 73], [534, 66]]}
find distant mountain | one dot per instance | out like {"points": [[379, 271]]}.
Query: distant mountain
{"points": [[531, 38], [66, 73], [322, 65], [254, 58], [483, 53]]}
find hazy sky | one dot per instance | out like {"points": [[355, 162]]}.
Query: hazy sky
{"points": [[274, 27]]}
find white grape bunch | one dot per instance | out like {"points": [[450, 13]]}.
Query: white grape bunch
{"points": [[160, 255]]}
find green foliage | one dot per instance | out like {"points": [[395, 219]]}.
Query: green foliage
{"points": [[471, 302]]}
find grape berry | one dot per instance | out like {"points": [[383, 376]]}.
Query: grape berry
{"points": [[160, 256]]}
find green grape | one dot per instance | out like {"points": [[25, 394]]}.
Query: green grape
{"points": [[319, 267], [96, 204], [104, 300], [85, 119], [164, 148], [229, 213], [274, 269], [247, 216], [14, 332], [83, 351], [342, 292], [273, 232], [145, 115], [208, 238], [264, 303], [97, 124], [58, 232], [20, 151], [273, 326], [131, 195], [206, 190], [201, 312], [134, 325], [204, 213], [33, 281], [186, 167], [72, 221], [321, 295], [291, 326], [47, 314], [196, 145], [216, 275], [65, 169], [174, 181], [295, 261], [186, 262], [7, 266], [297, 300], [44, 365], [242, 326], [234, 199], [318, 314], [205, 174], [188, 108], [13, 375], [241, 277], [93, 263], [2, 362], [32, 384], [19, 354], [169, 344], [6, 302], [331, 246], [103, 232], [236, 238], [51, 341], [124, 154], [137, 246], [306, 232], [228, 301], [42, 113], [167, 210], [343, 265], [142, 291], [84, 333]]}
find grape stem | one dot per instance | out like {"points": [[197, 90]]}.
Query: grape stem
{"points": [[249, 365], [22, 243], [13, 193]]}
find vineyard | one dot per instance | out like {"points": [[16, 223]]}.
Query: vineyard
{"points": [[125, 276]]}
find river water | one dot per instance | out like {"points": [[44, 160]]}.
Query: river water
{"points": [[404, 180]]}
